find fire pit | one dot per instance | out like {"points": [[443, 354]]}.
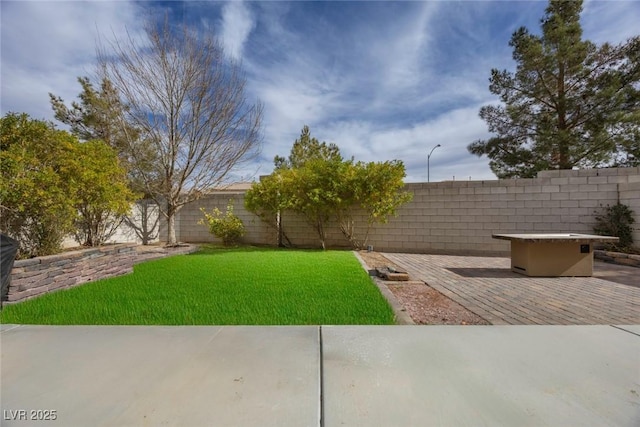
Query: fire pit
{"points": [[553, 254]]}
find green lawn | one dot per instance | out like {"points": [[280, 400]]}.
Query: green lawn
{"points": [[244, 286]]}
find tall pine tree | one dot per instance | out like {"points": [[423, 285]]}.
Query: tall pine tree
{"points": [[569, 104]]}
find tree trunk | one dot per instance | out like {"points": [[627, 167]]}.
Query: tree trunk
{"points": [[321, 233], [171, 225], [279, 227], [148, 225], [563, 161], [144, 222]]}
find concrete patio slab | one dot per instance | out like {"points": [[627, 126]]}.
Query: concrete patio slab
{"points": [[634, 329], [183, 376], [481, 376], [321, 376]]}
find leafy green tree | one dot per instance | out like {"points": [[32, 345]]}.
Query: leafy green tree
{"points": [[304, 183], [375, 188], [38, 167], [103, 196], [314, 171], [316, 193], [268, 198], [318, 184], [569, 104], [100, 115], [51, 184], [629, 151]]}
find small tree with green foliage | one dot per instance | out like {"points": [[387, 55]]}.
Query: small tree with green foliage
{"points": [[306, 183], [100, 115], [268, 198], [103, 196], [316, 193], [97, 115], [318, 184], [374, 188], [316, 169]]}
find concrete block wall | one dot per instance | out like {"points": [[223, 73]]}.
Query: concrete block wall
{"points": [[36, 276], [188, 229], [458, 217], [630, 196], [126, 234]]}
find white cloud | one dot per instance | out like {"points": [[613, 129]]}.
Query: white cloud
{"points": [[390, 81], [237, 23], [47, 45], [454, 130], [610, 21], [399, 52], [379, 104]]}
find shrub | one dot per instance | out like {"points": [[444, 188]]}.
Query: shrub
{"points": [[39, 180], [616, 221], [227, 226]]}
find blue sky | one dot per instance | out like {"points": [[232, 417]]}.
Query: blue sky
{"points": [[383, 80]]}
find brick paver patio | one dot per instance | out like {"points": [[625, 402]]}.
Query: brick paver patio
{"points": [[487, 287]]}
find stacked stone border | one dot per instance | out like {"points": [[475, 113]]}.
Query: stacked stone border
{"points": [[37, 276], [617, 258]]}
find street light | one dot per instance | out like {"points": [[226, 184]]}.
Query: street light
{"points": [[429, 157]]}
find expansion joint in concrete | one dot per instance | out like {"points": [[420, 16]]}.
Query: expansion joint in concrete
{"points": [[321, 377], [625, 330]]}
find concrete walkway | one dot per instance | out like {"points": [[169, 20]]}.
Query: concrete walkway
{"points": [[489, 288], [321, 376]]}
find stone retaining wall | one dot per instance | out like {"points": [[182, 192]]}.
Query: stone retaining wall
{"points": [[148, 253], [37, 276], [617, 258]]}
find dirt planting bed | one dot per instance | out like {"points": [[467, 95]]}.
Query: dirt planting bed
{"points": [[424, 304]]}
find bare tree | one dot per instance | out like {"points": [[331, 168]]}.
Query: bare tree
{"points": [[188, 99]]}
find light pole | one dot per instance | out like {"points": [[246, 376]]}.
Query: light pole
{"points": [[428, 158]]}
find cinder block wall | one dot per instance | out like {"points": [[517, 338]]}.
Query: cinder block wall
{"points": [[630, 196], [188, 229], [457, 217]]}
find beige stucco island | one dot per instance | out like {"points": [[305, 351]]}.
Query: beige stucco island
{"points": [[553, 254]]}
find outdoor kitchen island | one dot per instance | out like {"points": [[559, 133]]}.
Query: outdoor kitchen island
{"points": [[553, 254]]}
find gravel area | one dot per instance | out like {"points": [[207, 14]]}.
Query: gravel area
{"points": [[424, 304]]}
